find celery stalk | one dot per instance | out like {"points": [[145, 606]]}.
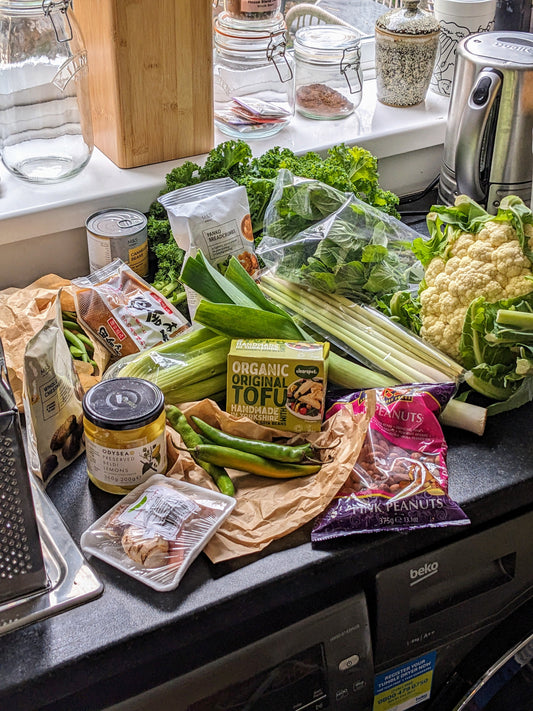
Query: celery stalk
{"points": [[213, 387], [188, 367]]}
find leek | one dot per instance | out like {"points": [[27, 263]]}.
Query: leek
{"points": [[264, 319]]}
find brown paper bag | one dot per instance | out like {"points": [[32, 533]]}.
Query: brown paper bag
{"points": [[268, 509], [23, 312]]}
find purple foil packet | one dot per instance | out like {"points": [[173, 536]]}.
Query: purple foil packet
{"points": [[400, 479]]}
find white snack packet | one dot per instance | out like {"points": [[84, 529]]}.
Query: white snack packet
{"points": [[214, 217]]}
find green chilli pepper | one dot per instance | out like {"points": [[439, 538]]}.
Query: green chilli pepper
{"points": [[251, 463], [192, 439], [270, 450]]}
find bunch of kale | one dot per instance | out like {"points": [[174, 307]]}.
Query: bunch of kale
{"points": [[348, 169]]}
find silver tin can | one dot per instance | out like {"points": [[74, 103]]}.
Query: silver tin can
{"points": [[118, 233]]}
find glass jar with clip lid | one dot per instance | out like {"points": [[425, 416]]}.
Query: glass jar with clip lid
{"points": [[45, 117], [329, 83], [253, 78]]}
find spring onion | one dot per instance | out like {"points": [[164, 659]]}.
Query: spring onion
{"points": [[379, 342], [373, 338]]}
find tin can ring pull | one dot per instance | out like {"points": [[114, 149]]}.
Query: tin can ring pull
{"points": [[62, 33], [277, 49], [354, 67]]}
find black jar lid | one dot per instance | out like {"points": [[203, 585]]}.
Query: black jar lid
{"points": [[123, 403]]}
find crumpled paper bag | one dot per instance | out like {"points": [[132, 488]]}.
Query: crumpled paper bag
{"points": [[23, 312], [268, 509]]}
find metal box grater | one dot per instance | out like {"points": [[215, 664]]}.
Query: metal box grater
{"points": [[22, 569]]}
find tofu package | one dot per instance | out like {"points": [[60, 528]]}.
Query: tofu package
{"points": [[214, 217], [278, 383]]}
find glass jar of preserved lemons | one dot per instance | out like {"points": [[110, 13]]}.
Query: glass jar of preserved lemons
{"points": [[124, 423]]}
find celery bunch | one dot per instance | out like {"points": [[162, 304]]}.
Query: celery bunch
{"points": [[191, 366]]}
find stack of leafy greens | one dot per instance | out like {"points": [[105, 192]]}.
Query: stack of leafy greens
{"points": [[347, 169], [497, 347], [325, 239]]}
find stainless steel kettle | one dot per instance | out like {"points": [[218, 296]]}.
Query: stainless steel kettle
{"points": [[488, 141]]}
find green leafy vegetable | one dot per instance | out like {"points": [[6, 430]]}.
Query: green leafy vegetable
{"points": [[351, 169], [329, 240], [166, 280], [497, 347], [402, 307]]}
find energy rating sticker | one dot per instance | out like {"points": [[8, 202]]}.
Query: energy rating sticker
{"points": [[404, 686]]}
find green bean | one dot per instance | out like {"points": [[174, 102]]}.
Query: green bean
{"points": [[270, 450], [87, 341], [75, 341], [76, 353], [71, 325], [192, 439]]}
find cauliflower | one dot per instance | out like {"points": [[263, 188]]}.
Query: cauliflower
{"points": [[474, 254]]}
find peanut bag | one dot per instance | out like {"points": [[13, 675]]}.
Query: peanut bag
{"points": [[400, 479]]}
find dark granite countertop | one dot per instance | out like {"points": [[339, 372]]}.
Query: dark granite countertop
{"points": [[132, 638]]}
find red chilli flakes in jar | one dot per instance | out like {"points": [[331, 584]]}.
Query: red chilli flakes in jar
{"points": [[400, 479]]}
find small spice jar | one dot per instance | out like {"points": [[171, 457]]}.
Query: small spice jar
{"points": [[328, 71], [406, 47], [252, 10], [253, 78], [124, 423]]}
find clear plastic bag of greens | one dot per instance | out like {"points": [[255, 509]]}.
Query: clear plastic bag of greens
{"points": [[329, 240]]}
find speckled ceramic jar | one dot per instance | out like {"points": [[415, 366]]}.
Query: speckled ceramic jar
{"points": [[406, 48]]}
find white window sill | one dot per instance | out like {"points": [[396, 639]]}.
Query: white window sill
{"points": [[30, 216]]}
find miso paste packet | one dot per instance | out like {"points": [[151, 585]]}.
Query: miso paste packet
{"points": [[123, 312]]}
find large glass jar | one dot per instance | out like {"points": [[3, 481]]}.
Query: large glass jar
{"points": [[329, 83], [253, 79], [45, 119]]}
